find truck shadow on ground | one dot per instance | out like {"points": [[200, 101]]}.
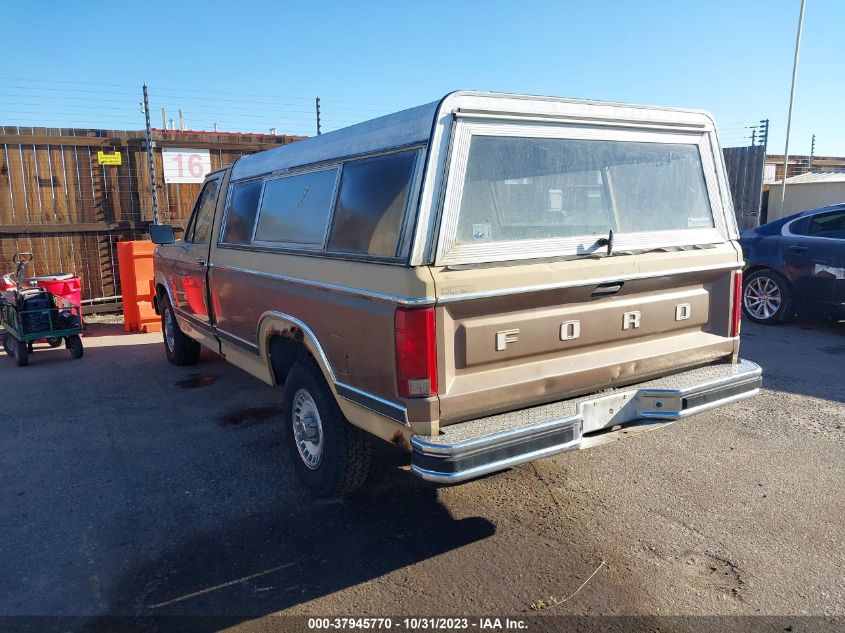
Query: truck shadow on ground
{"points": [[291, 554]]}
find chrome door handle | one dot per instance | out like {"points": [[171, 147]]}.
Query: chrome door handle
{"points": [[201, 261]]}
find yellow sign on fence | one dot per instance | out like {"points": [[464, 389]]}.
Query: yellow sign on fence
{"points": [[109, 159]]}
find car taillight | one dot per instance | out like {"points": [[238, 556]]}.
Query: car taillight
{"points": [[416, 354], [736, 315]]}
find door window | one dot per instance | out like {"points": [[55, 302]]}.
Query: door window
{"points": [[831, 225], [199, 225]]}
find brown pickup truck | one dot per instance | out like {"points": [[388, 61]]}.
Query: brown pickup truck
{"points": [[485, 280]]}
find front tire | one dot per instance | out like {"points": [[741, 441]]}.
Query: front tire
{"points": [[330, 456], [767, 298], [180, 348]]}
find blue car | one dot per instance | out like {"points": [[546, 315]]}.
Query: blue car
{"points": [[796, 265]]}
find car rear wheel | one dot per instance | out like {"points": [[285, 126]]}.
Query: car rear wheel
{"points": [[767, 298], [180, 348], [330, 456]]}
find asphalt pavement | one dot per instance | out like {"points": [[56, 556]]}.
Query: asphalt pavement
{"points": [[129, 487]]}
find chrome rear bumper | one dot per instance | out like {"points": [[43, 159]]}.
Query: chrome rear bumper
{"points": [[478, 447]]}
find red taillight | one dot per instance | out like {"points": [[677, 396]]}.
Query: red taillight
{"points": [[736, 314], [416, 355]]}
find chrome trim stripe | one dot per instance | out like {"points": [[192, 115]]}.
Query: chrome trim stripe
{"points": [[484, 469], [584, 282], [308, 332], [373, 403], [192, 320], [236, 341], [425, 301], [358, 292]]}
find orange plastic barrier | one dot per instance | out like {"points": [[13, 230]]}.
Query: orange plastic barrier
{"points": [[135, 260]]}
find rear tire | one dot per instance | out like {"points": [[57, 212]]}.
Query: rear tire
{"points": [[9, 345], [54, 341], [181, 349], [330, 456], [74, 346], [767, 298]]}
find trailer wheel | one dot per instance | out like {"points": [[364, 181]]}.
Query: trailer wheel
{"points": [[54, 341], [74, 346], [8, 345], [21, 353], [330, 456], [180, 348]]}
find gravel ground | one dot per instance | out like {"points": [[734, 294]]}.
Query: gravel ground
{"points": [[131, 487]]}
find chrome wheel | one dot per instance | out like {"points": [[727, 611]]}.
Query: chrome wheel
{"points": [[169, 330], [307, 429], [762, 297]]}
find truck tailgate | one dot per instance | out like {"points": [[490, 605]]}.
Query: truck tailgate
{"points": [[617, 322]]}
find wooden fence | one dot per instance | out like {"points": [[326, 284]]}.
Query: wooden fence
{"points": [[745, 175], [58, 202]]}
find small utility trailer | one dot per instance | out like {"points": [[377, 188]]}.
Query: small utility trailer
{"points": [[30, 313]]}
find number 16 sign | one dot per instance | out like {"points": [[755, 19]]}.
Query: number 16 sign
{"points": [[185, 165]]}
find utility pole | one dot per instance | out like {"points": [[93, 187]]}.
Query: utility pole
{"points": [[764, 132], [812, 153], [181, 121], [318, 115], [150, 161], [791, 100], [163, 119]]}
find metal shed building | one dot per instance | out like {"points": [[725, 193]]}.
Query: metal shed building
{"points": [[807, 191]]}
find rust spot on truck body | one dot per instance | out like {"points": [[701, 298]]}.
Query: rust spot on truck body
{"points": [[401, 441]]}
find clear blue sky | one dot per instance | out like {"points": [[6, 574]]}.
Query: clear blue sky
{"points": [[255, 65]]}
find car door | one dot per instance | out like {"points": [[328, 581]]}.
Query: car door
{"points": [[814, 258], [191, 262]]}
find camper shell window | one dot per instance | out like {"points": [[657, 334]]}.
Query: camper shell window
{"points": [[296, 209], [523, 191], [371, 204], [240, 212]]}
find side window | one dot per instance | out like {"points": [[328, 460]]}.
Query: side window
{"points": [[199, 225], [240, 213], [370, 204], [800, 227], [296, 209], [828, 225]]}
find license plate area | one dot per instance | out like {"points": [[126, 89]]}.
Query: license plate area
{"points": [[607, 411]]}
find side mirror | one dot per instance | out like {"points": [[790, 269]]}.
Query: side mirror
{"points": [[162, 234]]}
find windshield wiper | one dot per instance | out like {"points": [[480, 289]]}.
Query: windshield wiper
{"points": [[607, 241]]}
